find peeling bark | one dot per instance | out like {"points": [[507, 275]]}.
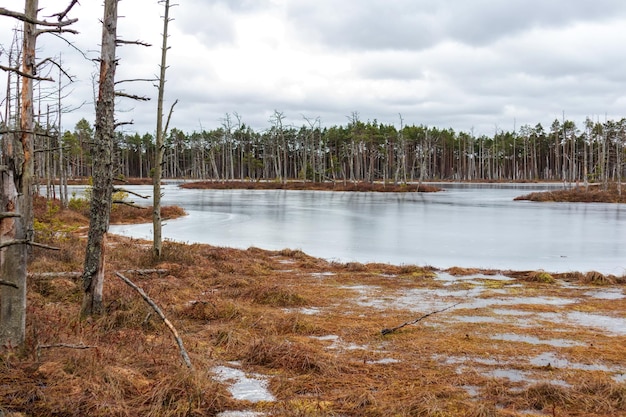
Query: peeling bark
{"points": [[93, 274], [17, 198]]}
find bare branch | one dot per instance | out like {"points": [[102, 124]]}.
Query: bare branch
{"points": [[123, 42], [134, 97], [156, 308], [26, 242], [136, 79], [123, 190], [129, 204], [8, 284], [56, 30], [26, 19], [56, 64], [23, 74], [65, 148], [118, 124], [169, 116], [60, 16]]}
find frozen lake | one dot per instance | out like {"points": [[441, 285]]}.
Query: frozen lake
{"points": [[467, 225]]}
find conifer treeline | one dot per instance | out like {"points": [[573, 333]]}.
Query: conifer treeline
{"points": [[366, 151]]}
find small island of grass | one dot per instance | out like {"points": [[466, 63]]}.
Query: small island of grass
{"points": [[579, 194], [315, 186]]}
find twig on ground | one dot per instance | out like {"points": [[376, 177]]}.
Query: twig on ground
{"points": [[76, 275], [61, 345], [408, 323], [156, 308]]}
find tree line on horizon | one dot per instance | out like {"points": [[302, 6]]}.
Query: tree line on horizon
{"points": [[357, 151]]}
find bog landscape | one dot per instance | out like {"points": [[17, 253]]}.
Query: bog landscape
{"points": [[282, 333], [94, 323]]}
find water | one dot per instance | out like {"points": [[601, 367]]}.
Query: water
{"points": [[468, 225]]}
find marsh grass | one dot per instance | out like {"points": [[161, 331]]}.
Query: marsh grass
{"points": [[593, 194], [313, 328], [319, 186]]}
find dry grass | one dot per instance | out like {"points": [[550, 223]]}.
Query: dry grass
{"points": [[313, 328], [592, 194], [319, 186]]}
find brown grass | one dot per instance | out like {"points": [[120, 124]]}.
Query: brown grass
{"points": [[318, 186], [313, 329], [578, 194]]}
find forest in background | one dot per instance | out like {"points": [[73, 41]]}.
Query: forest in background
{"points": [[358, 151]]}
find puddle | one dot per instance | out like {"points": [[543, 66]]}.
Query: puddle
{"points": [[322, 274], [608, 294], [478, 319], [615, 325], [424, 300], [476, 278], [619, 378], [253, 389], [511, 337], [456, 360], [309, 311], [550, 358], [472, 390], [338, 344], [510, 374]]}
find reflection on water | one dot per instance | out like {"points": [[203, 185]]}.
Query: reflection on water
{"points": [[466, 225]]}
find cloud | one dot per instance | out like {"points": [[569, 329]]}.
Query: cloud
{"points": [[447, 63]]}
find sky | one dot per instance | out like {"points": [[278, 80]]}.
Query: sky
{"points": [[471, 65]]}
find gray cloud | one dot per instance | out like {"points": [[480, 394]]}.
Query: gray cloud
{"points": [[446, 63], [410, 24]]}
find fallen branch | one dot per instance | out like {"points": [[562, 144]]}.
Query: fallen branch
{"points": [[80, 274], [156, 308], [61, 345], [408, 323]]}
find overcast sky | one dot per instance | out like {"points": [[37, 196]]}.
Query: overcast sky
{"points": [[464, 64]]}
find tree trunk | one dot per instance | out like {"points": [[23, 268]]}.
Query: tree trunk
{"points": [[160, 146], [100, 210], [17, 175]]}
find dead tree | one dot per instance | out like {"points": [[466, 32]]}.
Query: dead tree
{"points": [[100, 209], [16, 179], [103, 166], [160, 142]]}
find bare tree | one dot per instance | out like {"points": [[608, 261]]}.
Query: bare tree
{"points": [[100, 209], [160, 141], [16, 173]]}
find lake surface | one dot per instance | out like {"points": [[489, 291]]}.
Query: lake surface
{"points": [[468, 225]]}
